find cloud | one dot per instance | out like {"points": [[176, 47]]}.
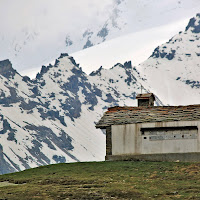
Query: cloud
{"points": [[48, 14], [39, 27]]}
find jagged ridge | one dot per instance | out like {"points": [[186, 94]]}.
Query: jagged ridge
{"points": [[172, 71], [51, 119]]}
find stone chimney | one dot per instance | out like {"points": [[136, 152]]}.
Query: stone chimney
{"points": [[145, 99]]}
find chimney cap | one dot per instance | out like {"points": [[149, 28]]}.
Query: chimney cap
{"points": [[145, 96]]}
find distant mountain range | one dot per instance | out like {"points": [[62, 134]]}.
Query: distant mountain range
{"points": [[52, 118], [173, 70], [27, 47], [127, 17]]}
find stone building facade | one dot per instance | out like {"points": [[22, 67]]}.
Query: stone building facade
{"points": [[155, 133]]}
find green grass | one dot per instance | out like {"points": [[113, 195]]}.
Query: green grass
{"points": [[106, 180]]}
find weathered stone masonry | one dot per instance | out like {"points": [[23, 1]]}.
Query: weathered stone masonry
{"points": [[108, 141], [160, 133]]}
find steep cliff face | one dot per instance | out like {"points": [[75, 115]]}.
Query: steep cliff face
{"points": [[173, 69], [52, 118]]}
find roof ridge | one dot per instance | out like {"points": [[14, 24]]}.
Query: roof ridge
{"points": [[128, 115]]}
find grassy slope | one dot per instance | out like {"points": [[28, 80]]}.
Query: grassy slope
{"points": [[106, 180]]}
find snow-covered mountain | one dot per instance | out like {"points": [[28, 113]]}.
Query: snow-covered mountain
{"points": [[128, 16], [39, 37], [143, 25], [173, 70], [51, 119]]}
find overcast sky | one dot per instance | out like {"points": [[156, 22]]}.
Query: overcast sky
{"points": [[15, 14], [39, 27], [33, 32]]}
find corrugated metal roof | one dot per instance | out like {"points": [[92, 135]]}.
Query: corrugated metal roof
{"points": [[133, 115]]}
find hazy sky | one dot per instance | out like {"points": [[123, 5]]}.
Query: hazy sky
{"points": [[50, 15], [33, 32], [32, 26]]}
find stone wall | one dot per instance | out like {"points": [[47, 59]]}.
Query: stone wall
{"points": [[170, 157], [108, 141], [156, 138]]}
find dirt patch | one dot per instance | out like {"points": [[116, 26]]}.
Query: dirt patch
{"points": [[6, 183]]}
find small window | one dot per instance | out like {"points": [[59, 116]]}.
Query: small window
{"points": [[170, 133]]}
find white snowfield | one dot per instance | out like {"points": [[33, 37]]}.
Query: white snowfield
{"points": [[135, 28], [52, 118], [175, 80]]}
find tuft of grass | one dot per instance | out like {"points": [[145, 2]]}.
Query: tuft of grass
{"points": [[105, 180]]}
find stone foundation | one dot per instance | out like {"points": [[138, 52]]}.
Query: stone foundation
{"points": [[168, 157]]}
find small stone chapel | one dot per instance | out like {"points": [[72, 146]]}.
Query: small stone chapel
{"points": [[152, 133]]}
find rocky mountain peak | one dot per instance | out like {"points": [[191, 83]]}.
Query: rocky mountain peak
{"points": [[56, 112], [60, 61], [62, 55], [128, 65], [43, 70], [173, 68], [6, 69], [97, 72], [194, 24]]}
